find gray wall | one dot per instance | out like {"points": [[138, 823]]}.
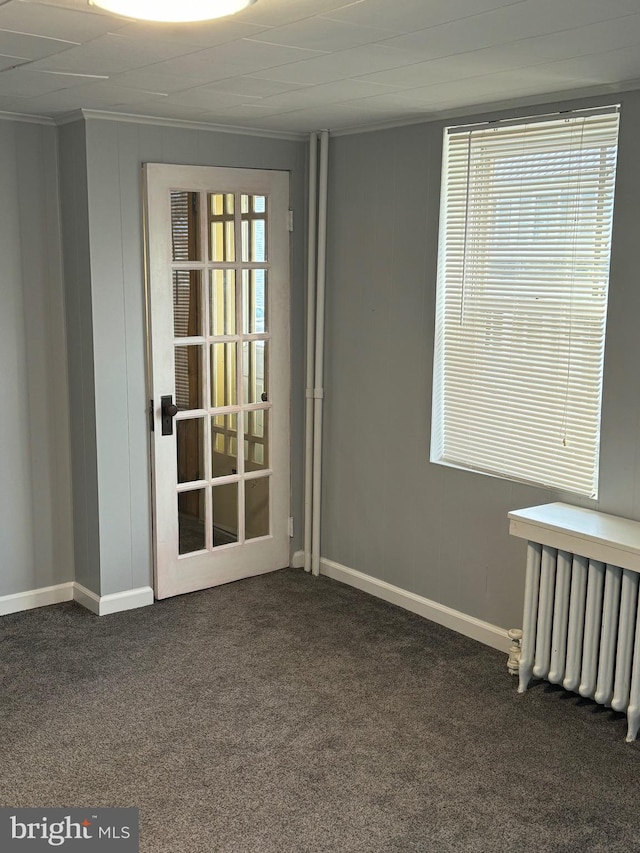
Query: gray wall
{"points": [[115, 152], [35, 497], [79, 317], [387, 511]]}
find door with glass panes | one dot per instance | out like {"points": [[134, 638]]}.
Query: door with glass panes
{"points": [[218, 282]]}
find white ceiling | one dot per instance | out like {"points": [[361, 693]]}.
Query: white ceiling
{"points": [[302, 65]]}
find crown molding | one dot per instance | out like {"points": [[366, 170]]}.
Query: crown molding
{"points": [[29, 119], [103, 115]]}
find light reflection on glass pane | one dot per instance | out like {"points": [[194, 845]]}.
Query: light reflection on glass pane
{"points": [[222, 296], [190, 449], [221, 227], [254, 229], [221, 204], [258, 422], [255, 371], [256, 432], [225, 514], [224, 443], [188, 367], [254, 301], [186, 303], [185, 230], [223, 375], [258, 240], [256, 498], [191, 515], [222, 245]]}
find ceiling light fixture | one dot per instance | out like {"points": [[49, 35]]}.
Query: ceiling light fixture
{"points": [[172, 11]]}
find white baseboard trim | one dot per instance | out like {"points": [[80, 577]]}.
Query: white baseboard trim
{"points": [[469, 626], [86, 598], [101, 605], [115, 602], [36, 598], [297, 560], [130, 599]]}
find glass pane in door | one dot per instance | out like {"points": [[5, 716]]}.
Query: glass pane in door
{"points": [[224, 445], [254, 302], [256, 495], [191, 516], [222, 244], [224, 390], [186, 303], [222, 302], [256, 434], [225, 514], [185, 225], [254, 228], [190, 450], [188, 377], [255, 370]]}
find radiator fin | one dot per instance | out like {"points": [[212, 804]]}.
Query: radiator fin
{"points": [[560, 618], [581, 629]]}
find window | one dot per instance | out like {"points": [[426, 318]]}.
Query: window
{"points": [[523, 274]]}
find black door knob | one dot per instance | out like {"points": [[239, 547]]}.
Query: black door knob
{"points": [[168, 409]]}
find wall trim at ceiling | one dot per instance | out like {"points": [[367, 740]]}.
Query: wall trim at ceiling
{"points": [[29, 119], [102, 115], [469, 626]]}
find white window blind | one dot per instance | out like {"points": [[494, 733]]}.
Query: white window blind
{"points": [[523, 271]]}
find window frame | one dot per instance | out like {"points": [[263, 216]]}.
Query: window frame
{"points": [[486, 270]]}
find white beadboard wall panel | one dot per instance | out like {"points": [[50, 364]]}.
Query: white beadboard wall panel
{"points": [[132, 239], [46, 359], [79, 324], [110, 352], [116, 151], [16, 511], [35, 501], [379, 486]]}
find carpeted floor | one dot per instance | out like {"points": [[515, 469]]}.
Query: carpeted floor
{"points": [[287, 714]]}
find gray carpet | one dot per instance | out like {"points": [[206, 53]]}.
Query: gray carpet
{"points": [[286, 713]]}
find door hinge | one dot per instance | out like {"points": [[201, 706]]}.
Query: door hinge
{"points": [[151, 419], [290, 220], [290, 527]]}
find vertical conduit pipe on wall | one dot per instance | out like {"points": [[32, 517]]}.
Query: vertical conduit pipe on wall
{"points": [[318, 390], [311, 324]]}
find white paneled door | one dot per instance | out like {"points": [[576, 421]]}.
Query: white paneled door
{"points": [[218, 281]]}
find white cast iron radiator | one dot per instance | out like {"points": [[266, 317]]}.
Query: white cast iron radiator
{"points": [[581, 623]]}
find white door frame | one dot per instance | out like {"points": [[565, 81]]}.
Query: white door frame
{"points": [[174, 573]]}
